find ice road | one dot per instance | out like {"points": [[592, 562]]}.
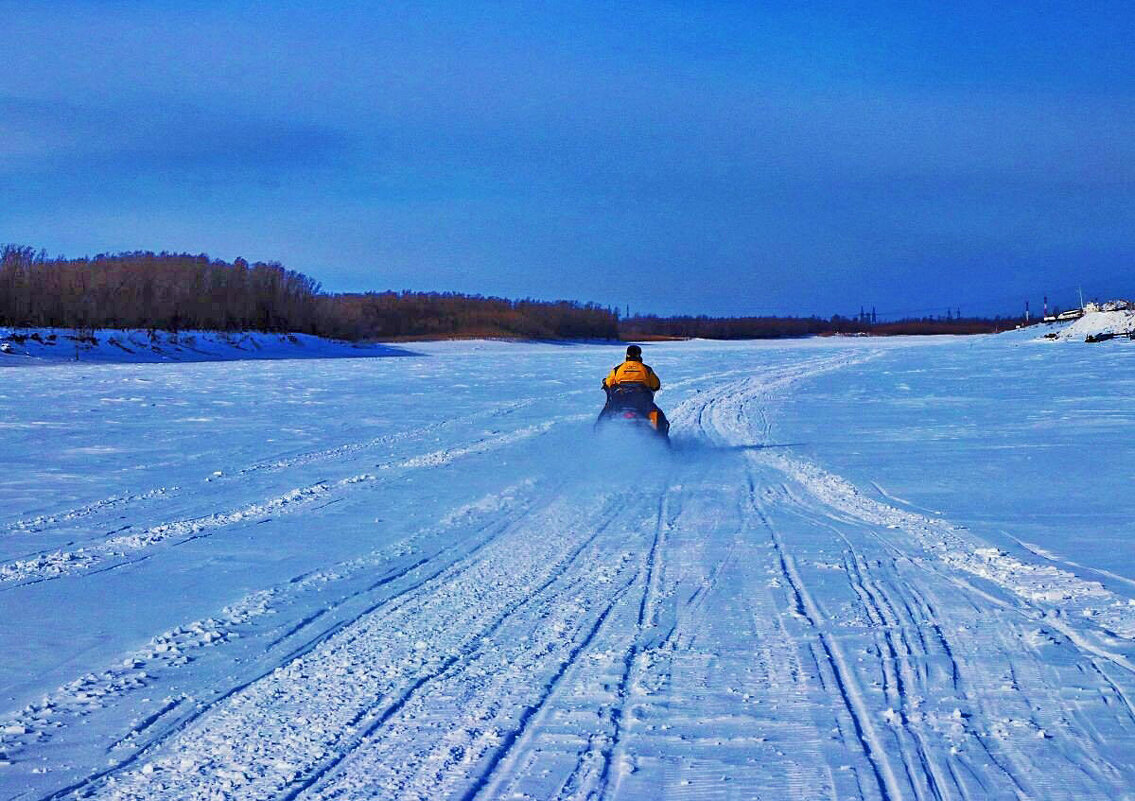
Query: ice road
{"points": [[870, 569]]}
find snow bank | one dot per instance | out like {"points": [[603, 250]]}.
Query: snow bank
{"points": [[1112, 319], [31, 345]]}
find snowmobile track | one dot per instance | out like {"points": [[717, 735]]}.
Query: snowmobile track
{"points": [[481, 537], [392, 708]]}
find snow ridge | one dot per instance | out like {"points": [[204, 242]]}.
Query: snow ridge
{"points": [[177, 647], [55, 564], [1059, 593]]}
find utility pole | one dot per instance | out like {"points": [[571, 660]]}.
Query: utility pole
{"points": [[1081, 291], [1026, 311], [1046, 306]]}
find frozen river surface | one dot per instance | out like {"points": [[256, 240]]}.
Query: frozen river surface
{"points": [[898, 569]]}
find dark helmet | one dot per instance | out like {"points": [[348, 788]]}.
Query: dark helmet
{"points": [[634, 352]]}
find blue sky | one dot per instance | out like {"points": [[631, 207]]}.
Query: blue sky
{"points": [[720, 158]]}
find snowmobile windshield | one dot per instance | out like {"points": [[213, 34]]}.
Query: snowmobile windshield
{"points": [[631, 396]]}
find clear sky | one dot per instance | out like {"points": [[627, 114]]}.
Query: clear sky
{"points": [[715, 157]]}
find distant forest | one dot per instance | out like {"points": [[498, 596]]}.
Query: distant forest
{"points": [[177, 291], [651, 327]]}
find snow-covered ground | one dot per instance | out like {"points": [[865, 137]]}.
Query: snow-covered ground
{"points": [[1096, 323], [879, 569]]}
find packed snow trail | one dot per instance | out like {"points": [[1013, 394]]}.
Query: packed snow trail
{"points": [[493, 604]]}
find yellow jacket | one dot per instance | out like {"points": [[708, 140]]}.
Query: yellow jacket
{"points": [[633, 372]]}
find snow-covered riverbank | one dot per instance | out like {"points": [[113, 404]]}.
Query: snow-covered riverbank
{"points": [[25, 346], [28, 346]]}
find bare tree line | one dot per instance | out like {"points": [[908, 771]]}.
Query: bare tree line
{"points": [[177, 291], [393, 315], [152, 290]]}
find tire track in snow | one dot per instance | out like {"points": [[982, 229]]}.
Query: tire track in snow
{"points": [[44, 522], [465, 751], [903, 688], [731, 422], [724, 417], [347, 670], [641, 738], [48, 520], [594, 764], [843, 678], [171, 650], [726, 421], [462, 550], [363, 446], [1043, 588], [644, 635], [898, 666], [60, 563], [829, 658], [450, 663], [719, 415], [529, 712], [63, 563], [1005, 721]]}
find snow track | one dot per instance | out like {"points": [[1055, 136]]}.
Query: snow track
{"points": [[503, 613], [117, 548]]}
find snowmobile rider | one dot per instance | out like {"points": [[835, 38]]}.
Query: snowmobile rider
{"points": [[632, 376]]}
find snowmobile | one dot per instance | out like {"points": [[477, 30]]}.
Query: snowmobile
{"points": [[630, 407]]}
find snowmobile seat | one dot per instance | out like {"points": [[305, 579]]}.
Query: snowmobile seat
{"points": [[632, 397]]}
